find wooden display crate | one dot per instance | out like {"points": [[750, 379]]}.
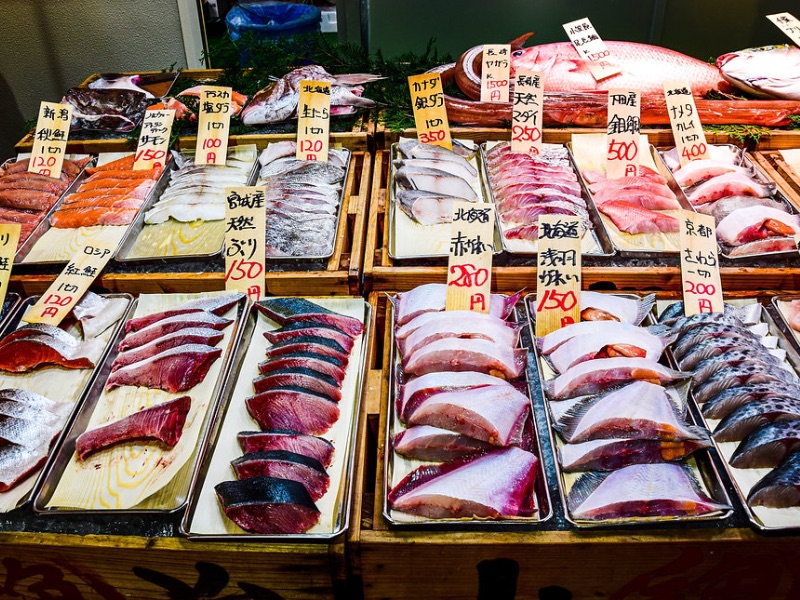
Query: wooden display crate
{"points": [[341, 275], [617, 564], [782, 172], [382, 273]]}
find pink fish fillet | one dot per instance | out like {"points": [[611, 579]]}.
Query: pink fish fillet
{"points": [[175, 370], [458, 323], [643, 198], [592, 177], [635, 219], [464, 354], [634, 342], [755, 223], [729, 184], [431, 297], [434, 444]]}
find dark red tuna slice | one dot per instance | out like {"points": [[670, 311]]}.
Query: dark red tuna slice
{"points": [[170, 325], [285, 439], [192, 335], [284, 465], [299, 376], [288, 310], [268, 505], [218, 305], [309, 343], [329, 365], [294, 408], [174, 370], [306, 328], [163, 422]]}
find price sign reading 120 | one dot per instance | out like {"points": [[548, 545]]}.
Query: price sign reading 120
{"points": [[213, 125], [469, 267], [245, 248], [430, 113], [702, 286], [313, 120], [151, 152]]}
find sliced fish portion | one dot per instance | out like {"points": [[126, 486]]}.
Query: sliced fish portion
{"points": [[780, 488]]}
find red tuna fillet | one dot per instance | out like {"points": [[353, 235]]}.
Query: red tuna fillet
{"points": [[163, 422], [465, 354], [424, 442], [302, 377], [285, 439], [496, 485], [295, 408], [284, 465], [310, 328], [268, 505], [218, 305], [289, 310], [170, 325], [308, 343], [319, 362], [192, 335], [174, 370]]}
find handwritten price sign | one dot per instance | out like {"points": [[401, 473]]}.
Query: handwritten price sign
{"points": [[9, 239], [313, 120], [624, 125], [526, 124], [50, 139], [245, 235], [558, 273], [788, 24], [151, 151], [69, 287], [702, 287], [430, 114], [591, 49], [469, 268], [686, 127], [495, 73], [213, 125]]}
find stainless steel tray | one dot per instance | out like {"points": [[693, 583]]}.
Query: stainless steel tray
{"points": [[700, 462], [240, 376], [66, 448], [542, 492], [392, 208], [9, 306], [602, 244]]}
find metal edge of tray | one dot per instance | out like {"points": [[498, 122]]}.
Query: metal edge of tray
{"points": [[81, 420], [782, 320], [40, 229], [346, 489], [598, 230], [15, 299], [283, 260], [541, 487], [703, 459], [135, 229], [391, 205], [13, 323]]}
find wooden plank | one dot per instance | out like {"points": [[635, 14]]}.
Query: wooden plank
{"points": [[787, 178], [358, 210]]}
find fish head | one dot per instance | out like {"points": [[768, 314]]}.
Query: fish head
{"points": [[765, 72]]}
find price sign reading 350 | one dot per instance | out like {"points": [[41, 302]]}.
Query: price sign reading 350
{"points": [[313, 120], [558, 273], [245, 246], [702, 287], [469, 268], [151, 152], [526, 124], [213, 125], [50, 139], [430, 113], [624, 125]]}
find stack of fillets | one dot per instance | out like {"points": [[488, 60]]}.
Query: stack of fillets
{"points": [[460, 394], [282, 473], [303, 200], [430, 178], [527, 186], [623, 422], [748, 217], [747, 392]]}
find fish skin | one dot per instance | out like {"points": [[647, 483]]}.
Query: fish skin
{"points": [[765, 72], [747, 418], [174, 370], [723, 207], [465, 354], [37, 402], [555, 339], [284, 439], [435, 180], [726, 401], [634, 219], [290, 310], [310, 328], [123, 82], [295, 408], [456, 169], [426, 208], [284, 464], [748, 224], [163, 327], [706, 368], [731, 376], [623, 309], [109, 110], [318, 362], [25, 432], [715, 347], [189, 335], [217, 305], [423, 442], [613, 454], [309, 343], [767, 446], [780, 488], [163, 422], [415, 149], [687, 341], [18, 462], [302, 377], [729, 184], [430, 297]]}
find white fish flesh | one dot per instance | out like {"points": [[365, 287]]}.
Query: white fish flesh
{"points": [[717, 153], [464, 354], [696, 171], [414, 149], [427, 208], [729, 184], [434, 444], [435, 180], [721, 208], [598, 306], [464, 170], [765, 72], [602, 329], [185, 212], [431, 297], [97, 314], [459, 325], [756, 222]]}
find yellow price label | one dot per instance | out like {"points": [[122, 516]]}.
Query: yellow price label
{"points": [[430, 113], [702, 286], [245, 235], [558, 273], [213, 125], [469, 267], [151, 152], [9, 240], [622, 141], [50, 139], [496, 73], [313, 120]]}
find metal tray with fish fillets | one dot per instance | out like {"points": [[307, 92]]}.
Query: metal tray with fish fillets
{"points": [[204, 518], [700, 462], [595, 241], [63, 378], [176, 496], [393, 462]]}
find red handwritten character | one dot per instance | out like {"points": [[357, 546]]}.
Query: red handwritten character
{"points": [[704, 305], [477, 301], [254, 292], [552, 300], [50, 311], [567, 321], [495, 95], [211, 158], [630, 170]]}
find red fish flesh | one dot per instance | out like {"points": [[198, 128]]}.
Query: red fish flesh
{"points": [[465, 354], [755, 223], [163, 422], [218, 305], [289, 310], [495, 485], [431, 297], [299, 376], [284, 439], [613, 454], [170, 325], [308, 344], [294, 408], [284, 465], [310, 328], [190, 335], [642, 198], [174, 370], [424, 442], [31, 352], [634, 219], [268, 505], [329, 365]]}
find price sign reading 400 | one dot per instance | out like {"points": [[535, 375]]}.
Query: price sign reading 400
{"points": [[313, 120], [245, 223], [50, 139], [526, 123], [469, 267], [686, 127], [624, 125], [702, 286], [495, 72], [430, 113], [213, 125], [558, 273], [151, 152]]}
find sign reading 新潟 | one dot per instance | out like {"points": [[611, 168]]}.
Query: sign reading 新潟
{"points": [[50, 139]]}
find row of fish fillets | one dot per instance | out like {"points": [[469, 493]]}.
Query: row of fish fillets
{"points": [[26, 198], [302, 199], [170, 350], [526, 186], [430, 178], [621, 417], [750, 396], [282, 472], [749, 217], [111, 195], [467, 419]]}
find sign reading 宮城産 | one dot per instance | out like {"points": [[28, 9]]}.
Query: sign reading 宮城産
{"points": [[245, 232]]}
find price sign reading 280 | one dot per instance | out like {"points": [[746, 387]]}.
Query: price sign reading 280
{"points": [[430, 114], [213, 125], [469, 268]]}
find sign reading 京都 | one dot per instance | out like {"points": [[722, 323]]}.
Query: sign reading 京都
{"points": [[702, 287], [313, 120], [151, 151], [69, 287], [788, 24], [245, 232], [686, 127], [50, 139], [526, 115], [469, 268], [558, 273], [622, 141], [495, 72], [9, 239], [213, 125], [591, 49], [430, 113]]}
